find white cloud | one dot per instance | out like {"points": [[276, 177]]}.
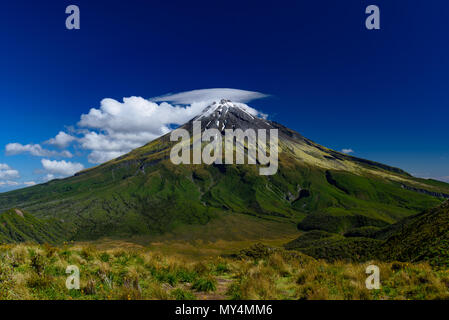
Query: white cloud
{"points": [[115, 128], [64, 168], [97, 156], [136, 115], [35, 150], [48, 177], [62, 140], [9, 183], [347, 150], [6, 172], [444, 178], [119, 127], [209, 95]]}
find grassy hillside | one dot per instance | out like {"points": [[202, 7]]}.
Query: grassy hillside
{"points": [[38, 272], [334, 247], [124, 200], [19, 226], [422, 237], [425, 237]]}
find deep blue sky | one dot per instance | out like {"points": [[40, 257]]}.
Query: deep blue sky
{"points": [[382, 93]]}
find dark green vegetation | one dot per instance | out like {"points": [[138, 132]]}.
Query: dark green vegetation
{"points": [[422, 237], [20, 226], [334, 247]]}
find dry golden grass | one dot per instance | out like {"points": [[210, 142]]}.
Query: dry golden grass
{"points": [[30, 271]]}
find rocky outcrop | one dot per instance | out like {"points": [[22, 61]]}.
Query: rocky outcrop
{"points": [[424, 191]]}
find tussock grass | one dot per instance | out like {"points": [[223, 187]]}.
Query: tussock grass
{"points": [[30, 271]]}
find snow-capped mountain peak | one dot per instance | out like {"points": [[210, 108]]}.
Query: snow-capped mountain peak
{"points": [[226, 114]]}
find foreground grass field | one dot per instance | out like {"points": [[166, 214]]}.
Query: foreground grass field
{"points": [[29, 271]]}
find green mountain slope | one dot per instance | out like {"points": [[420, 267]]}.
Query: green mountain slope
{"points": [[335, 247], [424, 237], [143, 193], [19, 226]]}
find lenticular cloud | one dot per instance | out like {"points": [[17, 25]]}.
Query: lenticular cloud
{"points": [[209, 95]]}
